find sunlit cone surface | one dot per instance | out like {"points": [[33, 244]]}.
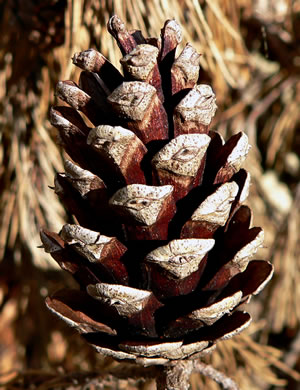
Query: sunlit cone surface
{"points": [[163, 248]]}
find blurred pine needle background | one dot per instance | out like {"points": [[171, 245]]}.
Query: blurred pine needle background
{"points": [[251, 57]]}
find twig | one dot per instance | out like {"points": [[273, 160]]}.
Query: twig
{"points": [[217, 376]]}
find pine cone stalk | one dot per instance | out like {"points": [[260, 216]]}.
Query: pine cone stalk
{"points": [[163, 246]]}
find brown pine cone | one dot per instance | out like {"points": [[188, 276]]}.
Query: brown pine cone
{"points": [[163, 245]]}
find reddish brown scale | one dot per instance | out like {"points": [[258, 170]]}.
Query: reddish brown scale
{"points": [[121, 152], [165, 286], [67, 259], [141, 65], [185, 70], [81, 311], [124, 39], [181, 163], [138, 104], [103, 253], [84, 195], [212, 213], [194, 113], [93, 61], [145, 211]]}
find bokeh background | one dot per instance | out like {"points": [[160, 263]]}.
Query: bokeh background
{"points": [[251, 57]]}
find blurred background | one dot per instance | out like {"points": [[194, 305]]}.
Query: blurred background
{"points": [[251, 57]]}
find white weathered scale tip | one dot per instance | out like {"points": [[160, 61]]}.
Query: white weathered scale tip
{"points": [[114, 140], [143, 202], [190, 349], [216, 207], [170, 350], [181, 257], [126, 300], [68, 321], [132, 98], [58, 120], [76, 171], [161, 349], [237, 330], [175, 26], [71, 94], [89, 58], [80, 178], [85, 241], [246, 188], [265, 282], [243, 256], [198, 105], [118, 355], [140, 61], [189, 63], [211, 314], [183, 155], [72, 234], [239, 153], [106, 133], [49, 245], [116, 24]]}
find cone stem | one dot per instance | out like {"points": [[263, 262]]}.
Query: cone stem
{"points": [[175, 376]]}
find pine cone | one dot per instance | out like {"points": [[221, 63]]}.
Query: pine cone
{"points": [[162, 252]]}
